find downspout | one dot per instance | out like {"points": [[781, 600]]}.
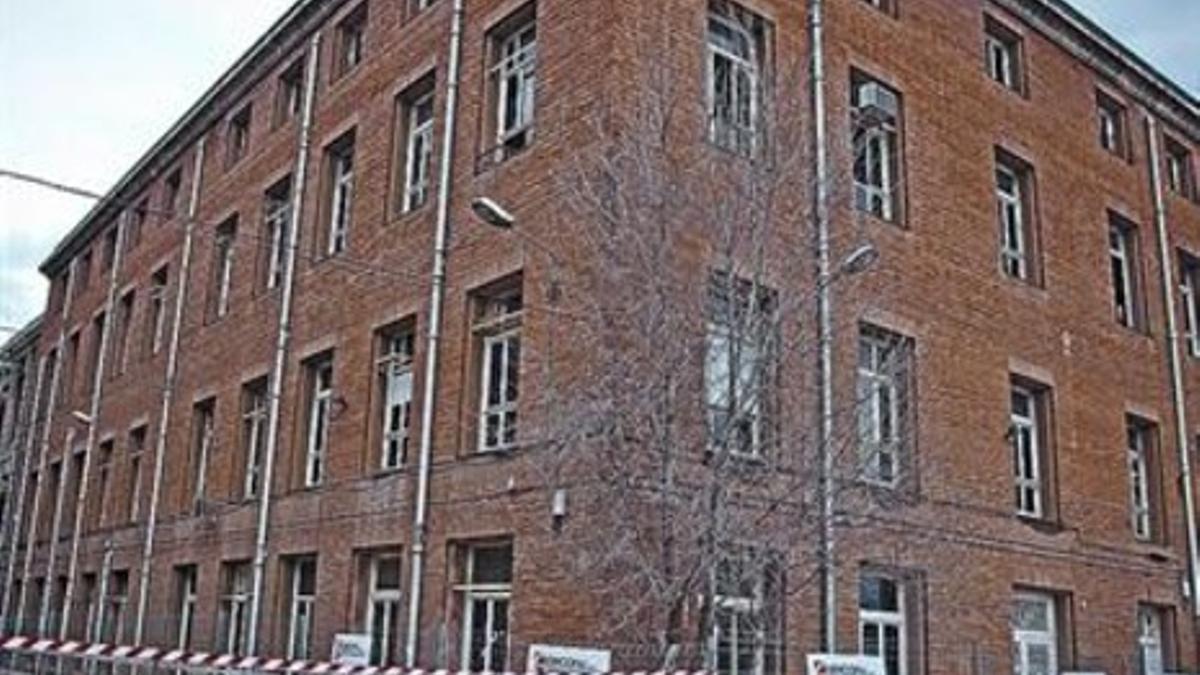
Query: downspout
{"points": [[825, 322], [89, 448], [18, 510], [44, 445], [1178, 394], [168, 395], [437, 294], [281, 347]]}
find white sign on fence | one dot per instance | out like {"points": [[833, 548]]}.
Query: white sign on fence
{"points": [[553, 659], [844, 664], [351, 649]]}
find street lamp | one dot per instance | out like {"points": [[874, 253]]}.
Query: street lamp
{"points": [[493, 214]]}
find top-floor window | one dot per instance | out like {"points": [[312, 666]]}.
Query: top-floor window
{"points": [[136, 223], [340, 163], [1180, 177], [1189, 288], [875, 119], [108, 255], [172, 189], [512, 46], [414, 145], [736, 46], [885, 6], [351, 40], [289, 96], [1004, 55], [1112, 124], [237, 139], [83, 271]]}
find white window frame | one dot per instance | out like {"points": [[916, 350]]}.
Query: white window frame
{"points": [[1120, 258], [278, 218], [1026, 639], [385, 601], [235, 608], [503, 409], [491, 595], [877, 143], [874, 380], [225, 253], [135, 490], [396, 384], [1151, 644], [341, 198], [418, 153], [320, 411], [114, 610], [1027, 460], [750, 379], [158, 309], [882, 620], [1189, 288], [352, 38], [1137, 452], [254, 428], [188, 597], [206, 412], [302, 608], [1002, 57], [743, 69], [1110, 127], [1014, 250], [516, 69]]}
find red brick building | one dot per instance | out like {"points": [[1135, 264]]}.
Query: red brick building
{"points": [[256, 308]]}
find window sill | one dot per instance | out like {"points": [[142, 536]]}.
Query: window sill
{"points": [[1042, 525], [895, 223], [401, 218], [1134, 331], [1037, 289]]}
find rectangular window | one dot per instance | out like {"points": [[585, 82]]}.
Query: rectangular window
{"points": [[1112, 125], [1028, 434], [351, 40], [383, 607], [203, 442], [221, 288], [90, 605], [302, 603], [136, 224], [340, 160], [125, 307], [513, 80], [83, 272], [875, 119], [1180, 177], [113, 630], [95, 344], [172, 190], [885, 6], [1014, 208], [748, 617], [236, 592], [884, 406], [289, 94], [237, 137], [254, 435], [881, 624], [277, 220], [1003, 53], [1035, 634], [137, 447], [187, 597], [739, 364], [1123, 258], [1154, 647], [108, 254], [497, 328], [414, 145], [736, 49], [1189, 289], [100, 495], [156, 316], [395, 365], [320, 409], [1144, 488], [486, 592]]}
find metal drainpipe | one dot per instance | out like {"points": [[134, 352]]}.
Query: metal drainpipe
{"points": [[89, 448], [825, 320], [18, 510], [437, 294], [1178, 393], [281, 348], [168, 393], [44, 445]]}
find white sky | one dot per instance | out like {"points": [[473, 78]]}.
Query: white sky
{"points": [[87, 86]]}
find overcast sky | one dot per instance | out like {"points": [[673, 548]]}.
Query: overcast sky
{"points": [[86, 87]]}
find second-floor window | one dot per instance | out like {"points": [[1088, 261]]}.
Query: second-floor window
{"points": [[1180, 177], [254, 435], [513, 45], [738, 367], [320, 410], [396, 395], [341, 193], [883, 404], [498, 329], [277, 217], [735, 45], [877, 168], [415, 145], [1122, 253]]}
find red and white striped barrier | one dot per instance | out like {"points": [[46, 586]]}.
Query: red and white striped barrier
{"points": [[176, 657]]}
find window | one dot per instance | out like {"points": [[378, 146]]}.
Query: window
{"points": [[96, 345], [1180, 178], [90, 605], [513, 73], [172, 190], [320, 409], [1153, 625], [222, 271], [881, 626], [137, 447], [277, 218], [235, 608], [877, 168], [341, 192], [747, 621], [108, 254], [237, 138], [1035, 637], [395, 395], [289, 96], [186, 588], [1189, 288], [416, 6], [1028, 434], [136, 223], [156, 317], [383, 607], [486, 593], [736, 45], [113, 630], [83, 272], [1003, 51], [885, 6], [1143, 479], [1122, 253], [254, 435], [1112, 126], [351, 40], [72, 366], [203, 441], [498, 329], [125, 308], [302, 603], [883, 404], [739, 361], [414, 145], [1014, 181], [101, 494]]}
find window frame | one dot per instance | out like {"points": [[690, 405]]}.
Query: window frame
{"points": [[1189, 289], [1124, 255], [234, 607], [1031, 466], [351, 43], [237, 135], [277, 220], [341, 175], [512, 65], [877, 153], [1180, 171], [881, 374], [492, 595], [1113, 127], [417, 160], [395, 369], [187, 588], [301, 607], [999, 40], [224, 251], [320, 403], [881, 619], [254, 420], [1024, 638], [386, 600], [744, 71]]}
